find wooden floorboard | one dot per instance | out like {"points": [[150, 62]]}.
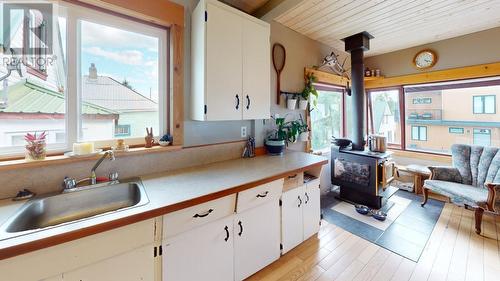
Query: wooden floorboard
{"points": [[453, 252]]}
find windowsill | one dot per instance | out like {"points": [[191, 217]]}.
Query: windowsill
{"points": [[62, 159]]}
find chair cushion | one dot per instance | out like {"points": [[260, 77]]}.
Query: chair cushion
{"points": [[461, 156], [460, 194]]}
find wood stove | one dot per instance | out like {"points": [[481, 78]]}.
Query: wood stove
{"points": [[362, 175]]}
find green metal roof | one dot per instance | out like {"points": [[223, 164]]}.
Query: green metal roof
{"points": [[26, 97]]}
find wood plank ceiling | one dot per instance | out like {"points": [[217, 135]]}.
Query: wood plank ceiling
{"points": [[247, 6], [395, 24]]}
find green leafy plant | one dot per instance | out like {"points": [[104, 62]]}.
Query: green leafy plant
{"points": [[288, 131], [309, 88]]}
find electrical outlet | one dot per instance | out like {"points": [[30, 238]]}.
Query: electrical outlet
{"points": [[243, 132]]}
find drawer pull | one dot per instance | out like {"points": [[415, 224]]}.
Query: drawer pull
{"points": [[300, 201], [227, 233], [264, 194], [292, 177], [307, 198], [203, 215], [241, 228]]}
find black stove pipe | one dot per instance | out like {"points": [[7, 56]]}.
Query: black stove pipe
{"points": [[357, 44]]}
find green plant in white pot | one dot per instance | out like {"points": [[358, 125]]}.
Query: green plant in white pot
{"points": [[275, 142], [309, 90]]}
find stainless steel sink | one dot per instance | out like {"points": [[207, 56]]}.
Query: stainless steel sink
{"points": [[41, 213]]}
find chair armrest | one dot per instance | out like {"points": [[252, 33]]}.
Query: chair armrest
{"points": [[445, 173], [493, 192]]}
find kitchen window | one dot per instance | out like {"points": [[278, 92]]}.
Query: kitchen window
{"points": [[327, 117], [108, 80], [484, 104], [384, 114], [455, 114], [419, 133]]}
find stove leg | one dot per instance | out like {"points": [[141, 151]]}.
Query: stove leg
{"points": [[426, 196]]}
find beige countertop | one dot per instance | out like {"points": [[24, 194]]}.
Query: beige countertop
{"points": [[167, 192]]}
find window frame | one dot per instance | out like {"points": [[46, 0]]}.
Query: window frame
{"points": [[483, 104], [419, 131], [369, 114], [75, 13], [343, 124], [479, 133]]}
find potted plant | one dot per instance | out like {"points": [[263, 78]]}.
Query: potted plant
{"points": [[303, 131], [276, 141], [309, 90], [36, 146], [291, 102]]}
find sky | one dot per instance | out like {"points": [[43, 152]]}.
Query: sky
{"points": [[121, 55]]}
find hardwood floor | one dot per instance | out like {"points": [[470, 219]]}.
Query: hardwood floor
{"points": [[453, 252]]}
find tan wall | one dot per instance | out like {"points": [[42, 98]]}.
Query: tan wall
{"points": [[472, 49], [458, 104]]}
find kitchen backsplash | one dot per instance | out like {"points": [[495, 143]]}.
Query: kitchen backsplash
{"points": [[48, 179]]}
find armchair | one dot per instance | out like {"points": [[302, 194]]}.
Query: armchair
{"points": [[473, 181]]}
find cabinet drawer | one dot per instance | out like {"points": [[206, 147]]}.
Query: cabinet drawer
{"points": [[293, 181], [189, 218], [258, 195]]}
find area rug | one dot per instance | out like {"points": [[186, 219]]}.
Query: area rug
{"points": [[397, 206], [407, 231]]}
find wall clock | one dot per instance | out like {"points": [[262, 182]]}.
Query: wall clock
{"points": [[425, 59]]}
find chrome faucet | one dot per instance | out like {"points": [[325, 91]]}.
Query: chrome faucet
{"points": [[93, 177], [70, 184]]}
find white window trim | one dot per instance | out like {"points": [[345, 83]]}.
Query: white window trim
{"points": [[74, 15]]}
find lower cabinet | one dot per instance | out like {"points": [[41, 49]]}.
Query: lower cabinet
{"points": [[300, 214], [203, 253], [136, 265], [257, 239]]}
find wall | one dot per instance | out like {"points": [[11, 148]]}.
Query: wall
{"points": [[472, 49]]}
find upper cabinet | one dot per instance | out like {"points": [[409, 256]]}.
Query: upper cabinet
{"points": [[230, 58]]}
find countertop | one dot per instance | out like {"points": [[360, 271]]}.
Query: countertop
{"points": [[167, 192]]}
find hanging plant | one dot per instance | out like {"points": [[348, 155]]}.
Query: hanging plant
{"points": [[309, 88]]}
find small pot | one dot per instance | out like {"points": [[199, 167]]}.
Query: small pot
{"points": [[275, 147], [304, 136], [291, 103], [303, 104]]}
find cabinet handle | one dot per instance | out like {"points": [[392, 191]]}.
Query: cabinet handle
{"points": [[248, 102], [307, 198], [203, 215], [241, 228], [300, 201], [262, 195], [237, 102], [227, 233], [292, 177]]}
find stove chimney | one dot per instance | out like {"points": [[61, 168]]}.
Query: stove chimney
{"points": [[356, 44]]}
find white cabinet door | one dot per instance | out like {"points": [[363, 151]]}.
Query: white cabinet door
{"points": [[291, 218], [312, 209], [136, 265], [256, 71], [223, 64], [257, 239], [203, 253]]}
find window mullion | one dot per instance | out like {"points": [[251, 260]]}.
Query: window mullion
{"points": [[72, 109]]}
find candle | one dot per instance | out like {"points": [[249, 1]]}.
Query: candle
{"points": [[83, 148]]}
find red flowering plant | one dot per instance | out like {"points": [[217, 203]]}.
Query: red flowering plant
{"points": [[36, 146]]}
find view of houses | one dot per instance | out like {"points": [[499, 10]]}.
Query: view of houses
{"points": [[34, 99]]}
